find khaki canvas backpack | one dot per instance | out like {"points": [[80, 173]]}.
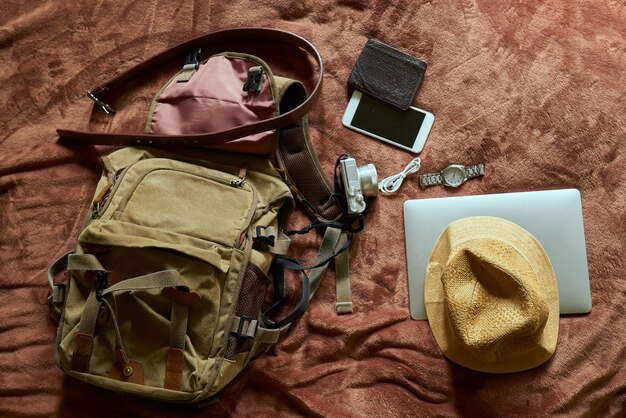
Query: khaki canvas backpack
{"points": [[166, 291]]}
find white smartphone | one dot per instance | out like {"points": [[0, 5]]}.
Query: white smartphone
{"points": [[407, 130]]}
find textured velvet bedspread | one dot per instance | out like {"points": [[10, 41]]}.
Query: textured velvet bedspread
{"points": [[536, 90]]}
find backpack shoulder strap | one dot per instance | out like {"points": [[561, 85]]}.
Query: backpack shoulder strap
{"points": [[304, 173]]}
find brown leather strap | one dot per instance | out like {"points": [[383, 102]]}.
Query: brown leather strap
{"points": [[111, 88], [174, 367], [81, 357]]}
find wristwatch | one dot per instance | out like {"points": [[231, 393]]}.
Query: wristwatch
{"points": [[452, 176]]}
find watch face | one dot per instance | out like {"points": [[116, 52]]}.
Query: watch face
{"points": [[454, 175]]}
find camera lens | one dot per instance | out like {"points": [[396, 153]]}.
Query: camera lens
{"points": [[369, 180]]}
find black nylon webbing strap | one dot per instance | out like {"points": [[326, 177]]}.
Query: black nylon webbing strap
{"points": [[280, 264], [309, 283]]}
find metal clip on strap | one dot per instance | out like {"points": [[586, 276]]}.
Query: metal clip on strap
{"points": [[107, 109]]}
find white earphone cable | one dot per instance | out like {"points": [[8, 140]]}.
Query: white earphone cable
{"points": [[392, 183]]}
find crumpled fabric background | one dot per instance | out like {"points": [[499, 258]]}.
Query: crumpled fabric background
{"points": [[536, 90]]}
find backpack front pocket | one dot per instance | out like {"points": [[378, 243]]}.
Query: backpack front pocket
{"points": [[182, 200], [150, 325]]}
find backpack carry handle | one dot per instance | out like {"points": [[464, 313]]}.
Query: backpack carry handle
{"points": [[110, 89]]}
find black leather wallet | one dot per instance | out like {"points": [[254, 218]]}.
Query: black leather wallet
{"points": [[387, 74]]}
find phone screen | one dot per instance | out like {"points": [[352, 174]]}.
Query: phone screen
{"points": [[379, 119]]}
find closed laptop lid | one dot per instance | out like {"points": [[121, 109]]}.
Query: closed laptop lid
{"points": [[554, 217]]}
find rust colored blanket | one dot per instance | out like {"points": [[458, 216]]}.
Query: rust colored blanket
{"points": [[536, 90]]}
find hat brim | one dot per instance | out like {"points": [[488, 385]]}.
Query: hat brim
{"points": [[485, 227]]}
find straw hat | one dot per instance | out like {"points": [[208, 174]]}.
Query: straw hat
{"points": [[491, 296]]}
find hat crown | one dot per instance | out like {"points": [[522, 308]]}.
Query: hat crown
{"points": [[493, 299], [491, 296]]}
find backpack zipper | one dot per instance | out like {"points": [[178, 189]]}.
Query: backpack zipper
{"points": [[100, 206]]}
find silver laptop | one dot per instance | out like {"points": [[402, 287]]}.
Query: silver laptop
{"points": [[554, 217]]}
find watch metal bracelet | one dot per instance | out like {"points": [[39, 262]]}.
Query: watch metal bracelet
{"points": [[435, 179], [430, 179], [475, 170]]}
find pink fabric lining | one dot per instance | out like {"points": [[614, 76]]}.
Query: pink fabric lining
{"points": [[214, 100]]}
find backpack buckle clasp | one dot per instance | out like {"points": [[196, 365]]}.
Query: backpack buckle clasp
{"points": [[246, 327], [265, 235]]}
